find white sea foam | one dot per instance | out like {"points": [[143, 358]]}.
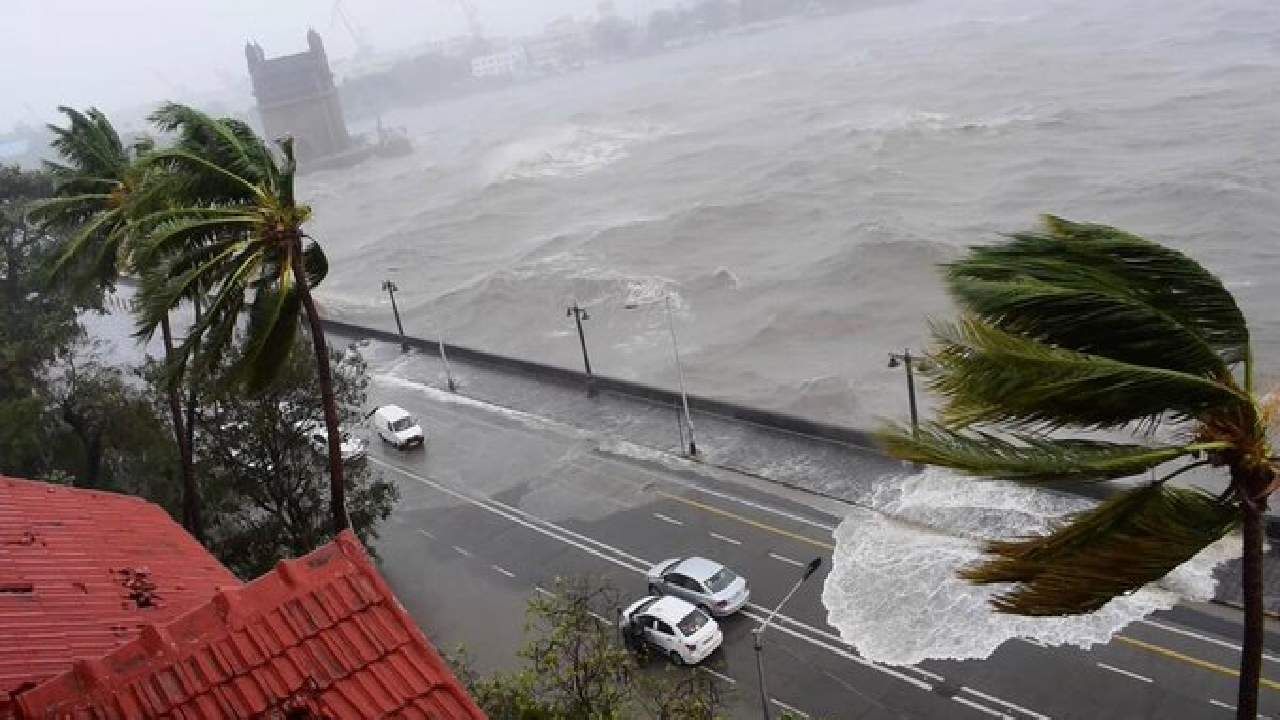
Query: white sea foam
{"points": [[894, 595], [567, 151]]}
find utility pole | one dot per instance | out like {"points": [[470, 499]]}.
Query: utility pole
{"points": [[579, 315], [911, 363], [757, 634], [391, 289]]}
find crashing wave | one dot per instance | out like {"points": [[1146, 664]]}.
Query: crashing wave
{"points": [[566, 152], [893, 591]]}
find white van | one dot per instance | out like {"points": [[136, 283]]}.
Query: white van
{"points": [[396, 426]]}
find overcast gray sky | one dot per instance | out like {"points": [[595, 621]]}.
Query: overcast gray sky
{"points": [[124, 53]]}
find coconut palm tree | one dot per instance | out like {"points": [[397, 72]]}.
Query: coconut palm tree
{"points": [[101, 189], [1087, 328], [238, 234]]}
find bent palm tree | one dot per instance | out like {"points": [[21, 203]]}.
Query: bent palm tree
{"points": [[238, 233], [101, 189], [1091, 328]]}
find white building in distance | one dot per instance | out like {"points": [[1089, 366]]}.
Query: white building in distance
{"points": [[510, 63]]}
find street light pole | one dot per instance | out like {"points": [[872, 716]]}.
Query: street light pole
{"points": [[684, 397], [391, 289], [907, 360], [757, 642], [448, 373], [579, 315]]}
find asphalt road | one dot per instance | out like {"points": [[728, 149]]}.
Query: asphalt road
{"points": [[499, 505]]}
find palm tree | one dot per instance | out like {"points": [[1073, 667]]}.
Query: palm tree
{"points": [[1089, 328], [238, 234], [101, 189]]}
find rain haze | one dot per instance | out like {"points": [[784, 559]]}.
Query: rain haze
{"points": [[777, 191]]}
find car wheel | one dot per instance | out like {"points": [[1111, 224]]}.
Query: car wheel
{"points": [[676, 659]]}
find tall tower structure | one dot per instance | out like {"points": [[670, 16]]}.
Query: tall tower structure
{"points": [[296, 96]]}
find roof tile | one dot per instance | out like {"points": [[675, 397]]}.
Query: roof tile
{"points": [[323, 631], [86, 571]]}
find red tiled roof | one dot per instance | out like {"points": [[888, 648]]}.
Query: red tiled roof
{"points": [[322, 633], [82, 571]]}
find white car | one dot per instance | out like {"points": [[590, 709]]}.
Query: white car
{"points": [[353, 448], [396, 426], [706, 583], [681, 631]]}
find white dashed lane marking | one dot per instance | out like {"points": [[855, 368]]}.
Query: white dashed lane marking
{"points": [[785, 559], [1133, 675], [725, 538], [788, 708]]}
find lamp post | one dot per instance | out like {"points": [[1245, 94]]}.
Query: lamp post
{"points": [[756, 635], [675, 350], [448, 373], [390, 287], [578, 314], [911, 363]]}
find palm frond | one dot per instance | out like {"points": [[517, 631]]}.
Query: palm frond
{"points": [[1086, 257], [226, 144], [67, 211], [90, 144], [273, 325], [1135, 538], [194, 165], [989, 375], [1094, 318], [178, 232], [1029, 458], [315, 263]]}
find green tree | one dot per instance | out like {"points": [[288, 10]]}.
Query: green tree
{"points": [[238, 234], [1089, 328], [574, 666], [104, 431], [101, 192], [37, 323], [264, 480]]}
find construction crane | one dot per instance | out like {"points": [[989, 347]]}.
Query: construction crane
{"points": [[473, 18], [339, 14]]}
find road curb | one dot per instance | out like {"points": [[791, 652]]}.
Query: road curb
{"points": [[1237, 606]]}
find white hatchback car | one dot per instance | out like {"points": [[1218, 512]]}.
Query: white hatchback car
{"points": [[396, 426], [681, 631], [705, 583]]}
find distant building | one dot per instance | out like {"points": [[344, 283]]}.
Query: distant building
{"points": [[296, 96], [562, 46], [509, 63]]}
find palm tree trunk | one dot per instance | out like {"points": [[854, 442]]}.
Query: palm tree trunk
{"points": [[191, 519], [1251, 587], [193, 390], [337, 486]]}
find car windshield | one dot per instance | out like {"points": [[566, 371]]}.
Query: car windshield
{"points": [[403, 423], [692, 622], [721, 580]]}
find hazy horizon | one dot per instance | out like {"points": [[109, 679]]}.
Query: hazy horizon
{"points": [[129, 54]]}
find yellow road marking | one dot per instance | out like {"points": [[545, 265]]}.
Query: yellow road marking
{"points": [[754, 523], [1150, 647], [1174, 654]]}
